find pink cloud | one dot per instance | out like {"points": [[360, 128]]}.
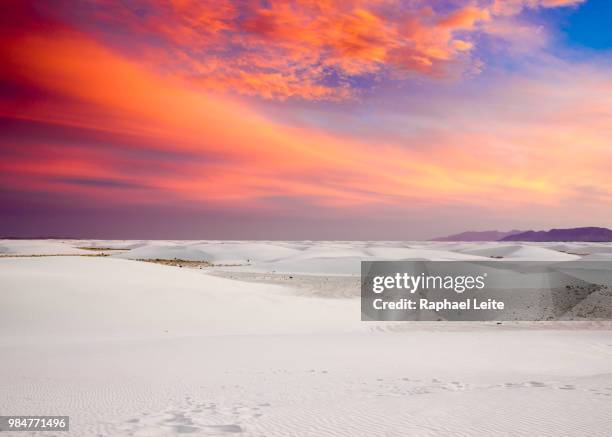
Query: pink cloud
{"points": [[311, 49]]}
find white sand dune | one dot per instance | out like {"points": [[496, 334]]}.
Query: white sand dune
{"points": [[322, 258], [217, 252], [134, 300], [128, 348], [520, 252], [39, 247], [111, 244]]}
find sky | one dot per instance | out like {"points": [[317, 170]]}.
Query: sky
{"points": [[306, 119]]}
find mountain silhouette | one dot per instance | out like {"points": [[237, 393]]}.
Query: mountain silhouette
{"points": [[593, 234], [478, 236]]}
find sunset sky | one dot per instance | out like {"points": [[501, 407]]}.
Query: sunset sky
{"points": [[316, 119]]}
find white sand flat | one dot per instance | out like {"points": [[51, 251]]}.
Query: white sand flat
{"points": [[128, 348]]}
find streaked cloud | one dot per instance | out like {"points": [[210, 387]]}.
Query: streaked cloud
{"points": [[309, 49], [161, 117]]}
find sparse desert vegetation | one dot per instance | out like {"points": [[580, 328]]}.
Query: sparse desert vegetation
{"points": [[176, 262]]}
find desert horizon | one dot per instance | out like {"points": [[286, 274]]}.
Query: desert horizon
{"points": [[306, 218]]}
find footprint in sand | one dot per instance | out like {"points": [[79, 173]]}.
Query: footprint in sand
{"points": [[226, 428], [535, 384], [202, 419]]}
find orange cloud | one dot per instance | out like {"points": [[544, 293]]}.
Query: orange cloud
{"points": [[311, 49], [512, 7], [307, 49], [157, 135], [465, 18], [262, 158]]}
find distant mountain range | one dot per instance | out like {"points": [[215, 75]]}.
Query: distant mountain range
{"points": [[593, 234], [573, 234], [478, 236]]}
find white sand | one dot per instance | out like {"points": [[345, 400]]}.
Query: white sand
{"points": [[39, 247], [132, 348]]}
